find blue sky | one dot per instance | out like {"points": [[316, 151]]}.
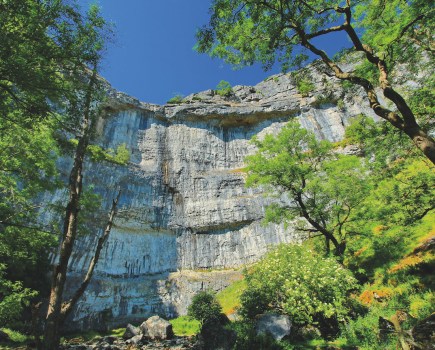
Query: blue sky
{"points": [[153, 57]]}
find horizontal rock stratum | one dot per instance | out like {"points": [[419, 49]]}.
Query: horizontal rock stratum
{"points": [[186, 220]]}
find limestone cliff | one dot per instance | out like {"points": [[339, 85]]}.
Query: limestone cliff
{"points": [[184, 208]]}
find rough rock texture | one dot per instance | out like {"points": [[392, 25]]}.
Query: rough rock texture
{"points": [[278, 326], [184, 208], [157, 328], [130, 331], [114, 343]]}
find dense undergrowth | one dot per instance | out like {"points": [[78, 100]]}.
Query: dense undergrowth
{"points": [[378, 292]]}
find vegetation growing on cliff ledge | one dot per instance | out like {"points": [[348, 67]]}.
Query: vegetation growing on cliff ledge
{"points": [[363, 278], [387, 33]]}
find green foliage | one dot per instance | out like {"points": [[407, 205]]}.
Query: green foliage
{"points": [[224, 88], [380, 141], [243, 33], [397, 31], [309, 180], [406, 196], [304, 285], [121, 156], [248, 339], [204, 307], [177, 99], [25, 153], [364, 332], [340, 104], [422, 102], [13, 298], [117, 332], [46, 48], [25, 255], [229, 298], [304, 86], [15, 336], [185, 326]]}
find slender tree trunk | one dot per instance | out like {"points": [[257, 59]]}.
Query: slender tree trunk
{"points": [[339, 247], [52, 321], [35, 308], [68, 305]]}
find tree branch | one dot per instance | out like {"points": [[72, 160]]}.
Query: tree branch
{"points": [[326, 31]]}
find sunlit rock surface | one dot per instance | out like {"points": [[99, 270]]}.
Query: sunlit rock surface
{"points": [[184, 209]]}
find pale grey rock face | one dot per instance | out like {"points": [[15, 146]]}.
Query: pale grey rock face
{"points": [[184, 204]]}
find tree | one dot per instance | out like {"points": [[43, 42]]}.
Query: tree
{"points": [[390, 32], [309, 180], [297, 281], [49, 90], [204, 307], [224, 88], [41, 69], [84, 106]]}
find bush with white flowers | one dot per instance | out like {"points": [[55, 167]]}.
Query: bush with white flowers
{"points": [[294, 280]]}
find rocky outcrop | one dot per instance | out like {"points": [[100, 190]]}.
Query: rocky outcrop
{"points": [[184, 208], [157, 328], [278, 326]]}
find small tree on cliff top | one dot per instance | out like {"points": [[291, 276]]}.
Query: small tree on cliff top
{"points": [[247, 31]]}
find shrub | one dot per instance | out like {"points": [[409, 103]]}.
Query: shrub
{"points": [[340, 104], [247, 338], [364, 332], [224, 88], [121, 156], [177, 99], [294, 280], [204, 307], [304, 86], [13, 299]]}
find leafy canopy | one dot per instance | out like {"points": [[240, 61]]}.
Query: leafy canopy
{"points": [[46, 50], [243, 32], [309, 180], [299, 282], [386, 32], [204, 307]]}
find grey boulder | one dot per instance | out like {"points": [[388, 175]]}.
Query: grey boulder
{"points": [[130, 331], [157, 328], [278, 326]]}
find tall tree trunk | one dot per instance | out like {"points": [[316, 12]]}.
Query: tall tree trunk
{"points": [[68, 305], [53, 317]]}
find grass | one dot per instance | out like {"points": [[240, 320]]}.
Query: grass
{"points": [[229, 298], [185, 326], [118, 332]]}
